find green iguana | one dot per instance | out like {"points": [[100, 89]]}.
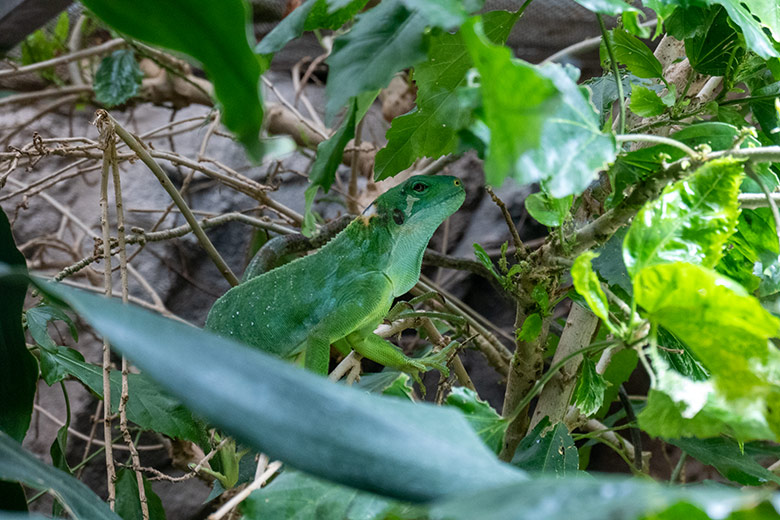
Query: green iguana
{"points": [[345, 288]]}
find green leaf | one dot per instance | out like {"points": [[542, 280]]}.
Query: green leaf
{"points": [[608, 7], [759, 21], [589, 393], [61, 30], [765, 111], [148, 406], [323, 171], [311, 15], [18, 465], [118, 78], [485, 260], [717, 48], [635, 55], [52, 371], [387, 382], [446, 14], [18, 368], [596, 498], [532, 327], [728, 458], [608, 263], [691, 220], [215, 34], [679, 356], [384, 40], [38, 319], [488, 424], [618, 371], [547, 450], [517, 99], [725, 327], [128, 505], [547, 210], [687, 22], [572, 148], [296, 495], [430, 130], [288, 413], [645, 102], [588, 286]]}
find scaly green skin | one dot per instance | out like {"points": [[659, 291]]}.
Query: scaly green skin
{"points": [[345, 288]]}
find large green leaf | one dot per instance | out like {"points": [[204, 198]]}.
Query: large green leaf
{"points": [[724, 326], [630, 51], [729, 458], [481, 416], [446, 14], [18, 368], [128, 504], [431, 129], [716, 48], [727, 330], [296, 495], [384, 40], [547, 210], [342, 434], [312, 14], [608, 7], [759, 21], [765, 110], [215, 34], [118, 78], [548, 449], [148, 406], [517, 99], [572, 148], [594, 498], [587, 284], [18, 465], [690, 221]]}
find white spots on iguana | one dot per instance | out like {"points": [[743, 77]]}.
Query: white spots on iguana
{"points": [[410, 200]]}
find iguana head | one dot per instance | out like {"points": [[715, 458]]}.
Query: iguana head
{"points": [[423, 201], [412, 212]]}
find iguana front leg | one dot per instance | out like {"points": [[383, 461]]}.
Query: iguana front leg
{"points": [[375, 348]]}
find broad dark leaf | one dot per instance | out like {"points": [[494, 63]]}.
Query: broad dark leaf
{"points": [[430, 130], [18, 465], [128, 505], [215, 34], [343, 434], [594, 498], [384, 40], [296, 495], [548, 450], [728, 458], [312, 14], [481, 416], [18, 368], [118, 78]]}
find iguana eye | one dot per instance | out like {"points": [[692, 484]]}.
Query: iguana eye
{"points": [[419, 187]]}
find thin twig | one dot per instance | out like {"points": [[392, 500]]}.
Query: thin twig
{"points": [[658, 139], [520, 250], [65, 58], [147, 159], [106, 134]]}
